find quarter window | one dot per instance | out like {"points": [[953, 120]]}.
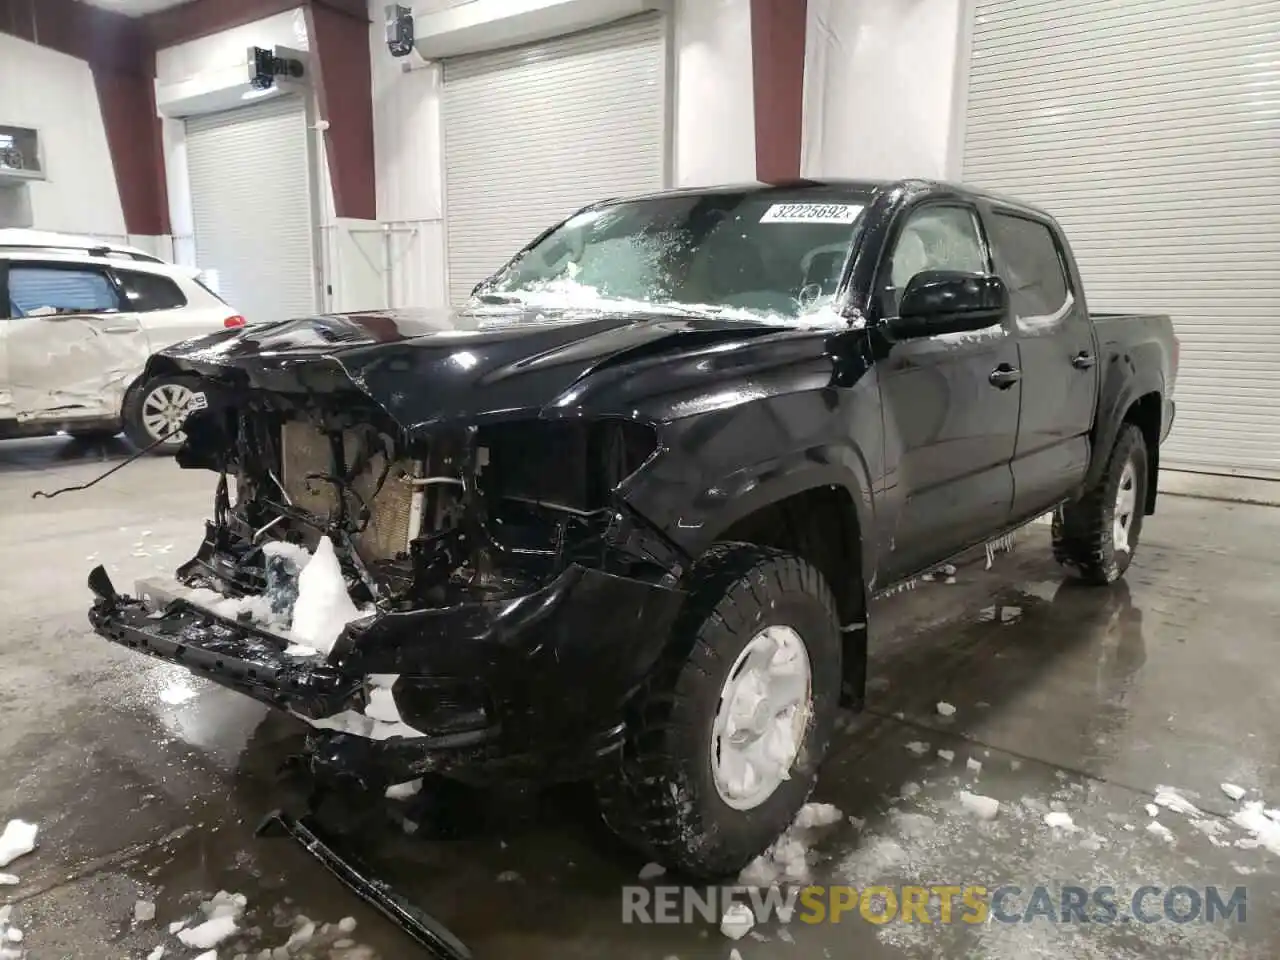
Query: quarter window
{"points": [[934, 238], [146, 291], [1028, 260], [36, 291]]}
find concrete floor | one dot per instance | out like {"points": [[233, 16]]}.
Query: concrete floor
{"points": [[147, 783]]}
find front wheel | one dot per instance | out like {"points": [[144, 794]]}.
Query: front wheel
{"points": [[725, 739], [154, 412], [1097, 535]]}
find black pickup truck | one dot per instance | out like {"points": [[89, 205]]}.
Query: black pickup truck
{"points": [[619, 517]]}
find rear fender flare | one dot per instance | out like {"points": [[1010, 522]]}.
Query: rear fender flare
{"points": [[1122, 384]]}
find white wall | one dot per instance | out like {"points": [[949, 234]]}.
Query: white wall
{"points": [[55, 94], [715, 103], [880, 88]]}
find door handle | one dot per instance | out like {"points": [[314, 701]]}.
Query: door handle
{"points": [[1083, 360], [122, 328], [1004, 376]]}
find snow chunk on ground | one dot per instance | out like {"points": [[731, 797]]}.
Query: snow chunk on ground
{"points": [[301, 936], [974, 765], [347, 924], [1059, 819], [984, 808], [18, 839], [402, 791], [157, 953], [946, 709], [1152, 810], [177, 925], [817, 815], [1175, 801], [144, 911], [210, 933], [788, 857], [9, 880], [946, 755], [324, 606], [737, 921], [1265, 830], [1160, 830], [1232, 791], [208, 955], [651, 871], [918, 748]]}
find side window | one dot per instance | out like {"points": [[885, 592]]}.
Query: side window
{"points": [[147, 291], [1028, 261], [935, 237], [46, 290]]}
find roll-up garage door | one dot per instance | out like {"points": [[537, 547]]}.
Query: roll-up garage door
{"points": [[533, 133], [251, 206], [1150, 129]]}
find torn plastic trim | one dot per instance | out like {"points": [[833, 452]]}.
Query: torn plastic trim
{"points": [[424, 929]]}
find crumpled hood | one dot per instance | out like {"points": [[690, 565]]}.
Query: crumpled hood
{"points": [[426, 367]]}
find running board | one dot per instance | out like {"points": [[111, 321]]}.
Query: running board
{"points": [[422, 928]]}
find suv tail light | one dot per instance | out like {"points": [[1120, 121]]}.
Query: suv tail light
{"points": [[231, 323]]}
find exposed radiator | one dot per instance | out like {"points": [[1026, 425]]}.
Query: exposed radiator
{"points": [[396, 510]]}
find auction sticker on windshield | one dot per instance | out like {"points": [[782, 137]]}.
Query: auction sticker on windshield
{"points": [[812, 213]]}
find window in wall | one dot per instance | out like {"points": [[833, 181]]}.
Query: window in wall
{"points": [[145, 292], [934, 238], [36, 291], [1028, 261]]}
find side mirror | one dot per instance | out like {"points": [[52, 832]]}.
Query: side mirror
{"points": [[949, 301]]}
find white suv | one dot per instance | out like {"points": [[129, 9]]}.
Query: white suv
{"points": [[78, 320]]}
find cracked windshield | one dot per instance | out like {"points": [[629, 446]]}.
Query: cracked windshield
{"points": [[771, 256]]}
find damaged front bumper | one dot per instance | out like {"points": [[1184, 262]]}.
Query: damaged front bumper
{"points": [[530, 686]]}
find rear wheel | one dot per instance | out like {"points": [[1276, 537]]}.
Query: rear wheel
{"points": [[1097, 535], [157, 410], [724, 741]]}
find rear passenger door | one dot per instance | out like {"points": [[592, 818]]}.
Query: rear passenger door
{"points": [[1056, 350], [72, 350]]}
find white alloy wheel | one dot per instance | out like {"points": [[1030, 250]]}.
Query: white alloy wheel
{"points": [[764, 711], [165, 409], [1126, 507]]}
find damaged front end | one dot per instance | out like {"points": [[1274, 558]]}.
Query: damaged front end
{"points": [[500, 599]]}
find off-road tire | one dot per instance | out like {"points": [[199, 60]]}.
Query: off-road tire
{"points": [[1083, 531], [134, 428], [660, 795]]}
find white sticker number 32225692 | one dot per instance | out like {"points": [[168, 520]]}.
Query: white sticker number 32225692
{"points": [[812, 213]]}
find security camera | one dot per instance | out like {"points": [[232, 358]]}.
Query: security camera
{"points": [[399, 30], [265, 65]]}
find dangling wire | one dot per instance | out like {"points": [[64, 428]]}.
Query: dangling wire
{"points": [[85, 486]]}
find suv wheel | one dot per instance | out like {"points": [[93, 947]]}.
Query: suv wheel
{"points": [[156, 410], [725, 739], [1097, 535]]}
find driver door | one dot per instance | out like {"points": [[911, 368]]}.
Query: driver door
{"points": [[72, 353], [950, 432]]}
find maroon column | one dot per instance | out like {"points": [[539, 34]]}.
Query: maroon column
{"points": [[342, 71], [777, 60], [128, 103]]}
